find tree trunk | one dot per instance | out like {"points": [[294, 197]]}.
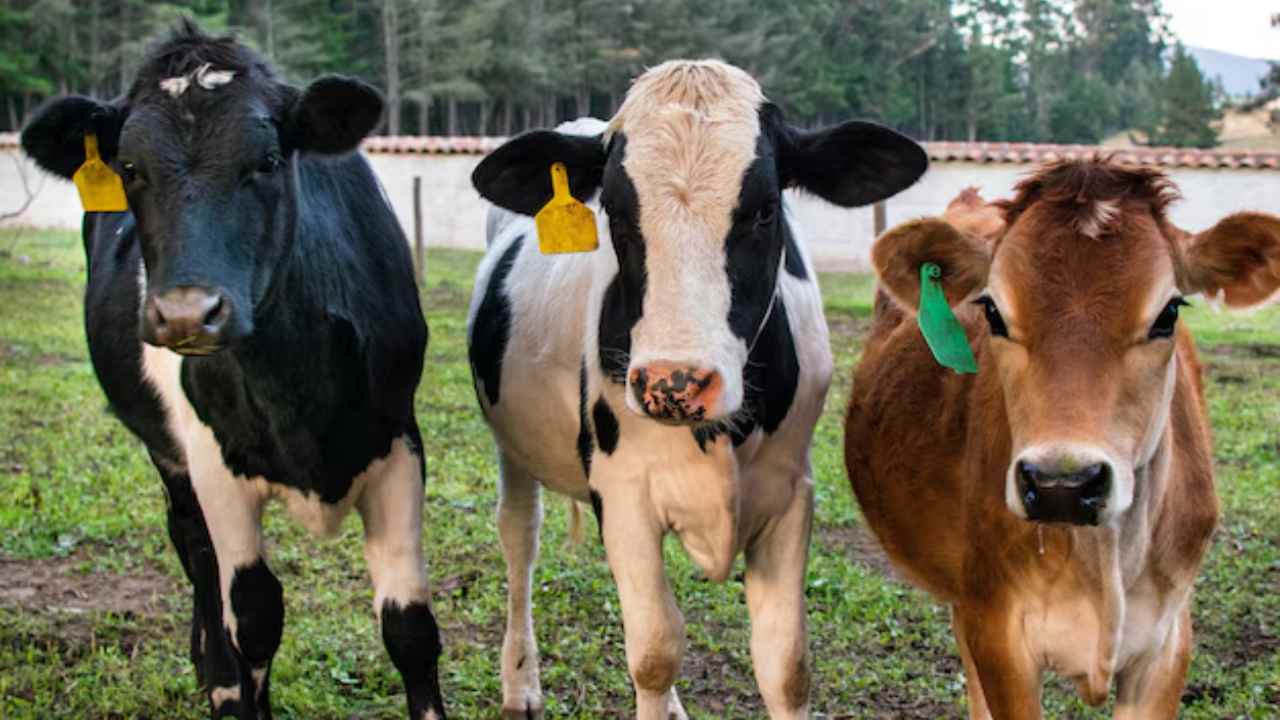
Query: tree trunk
{"points": [[506, 117], [424, 115], [391, 47], [451, 124], [13, 114]]}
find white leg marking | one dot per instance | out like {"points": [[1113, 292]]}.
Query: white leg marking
{"points": [[519, 521], [232, 509], [652, 622], [391, 508], [222, 695], [775, 599]]}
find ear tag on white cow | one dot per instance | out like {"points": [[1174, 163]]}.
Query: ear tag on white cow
{"points": [[941, 330], [564, 224], [101, 189]]}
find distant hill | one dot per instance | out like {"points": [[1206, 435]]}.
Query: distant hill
{"points": [[1240, 75]]}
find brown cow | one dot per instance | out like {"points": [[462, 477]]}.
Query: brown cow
{"points": [[1061, 499]]}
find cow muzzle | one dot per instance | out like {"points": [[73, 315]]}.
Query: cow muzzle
{"points": [[1074, 487], [189, 320], [677, 394]]}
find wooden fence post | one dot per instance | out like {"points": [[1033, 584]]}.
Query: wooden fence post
{"points": [[419, 247]]}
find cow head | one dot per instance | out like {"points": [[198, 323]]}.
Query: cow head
{"points": [[1081, 287], [690, 174], [207, 143]]}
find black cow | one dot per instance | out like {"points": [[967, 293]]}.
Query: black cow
{"points": [[267, 274]]}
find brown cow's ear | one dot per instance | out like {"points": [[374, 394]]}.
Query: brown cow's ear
{"points": [[898, 255], [1239, 257]]}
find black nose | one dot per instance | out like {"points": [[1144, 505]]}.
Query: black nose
{"points": [[1053, 494], [188, 319]]}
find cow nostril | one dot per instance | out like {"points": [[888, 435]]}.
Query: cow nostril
{"points": [[216, 313], [157, 316], [1029, 472], [1096, 486]]}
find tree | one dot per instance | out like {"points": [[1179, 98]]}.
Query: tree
{"points": [[1187, 110]]}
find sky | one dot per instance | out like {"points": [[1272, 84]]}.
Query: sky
{"points": [[1241, 27]]}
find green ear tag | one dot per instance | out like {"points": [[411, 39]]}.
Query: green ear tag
{"points": [[939, 326]]}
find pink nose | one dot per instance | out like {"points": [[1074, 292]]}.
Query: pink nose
{"points": [[677, 393], [187, 319]]}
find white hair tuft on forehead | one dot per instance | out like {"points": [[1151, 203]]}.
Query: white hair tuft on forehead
{"points": [[205, 76]]}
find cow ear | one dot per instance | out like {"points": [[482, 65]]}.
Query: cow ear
{"points": [[332, 115], [899, 254], [852, 164], [1238, 258], [517, 176], [54, 137]]}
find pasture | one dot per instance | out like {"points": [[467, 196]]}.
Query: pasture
{"points": [[94, 609]]}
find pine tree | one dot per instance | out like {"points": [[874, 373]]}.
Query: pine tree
{"points": [[1187, 106]]}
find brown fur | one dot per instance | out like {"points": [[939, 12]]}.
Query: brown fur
{"points": [[928, 450]]}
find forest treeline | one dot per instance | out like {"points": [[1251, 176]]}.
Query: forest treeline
{"points": [[1066, 71]]}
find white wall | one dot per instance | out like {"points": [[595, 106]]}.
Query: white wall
{"points": [[839, 239]]}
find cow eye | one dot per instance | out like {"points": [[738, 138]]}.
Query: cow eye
{"points": [[767, 213], [994, 319], [270, 164], [1167, 320], [128, 172]]}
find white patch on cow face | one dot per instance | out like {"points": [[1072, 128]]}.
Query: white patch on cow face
{"points": [[204, 76], [691, 131]]}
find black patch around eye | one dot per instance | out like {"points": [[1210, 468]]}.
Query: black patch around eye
{"points": [[994, 318], [129, 172], [1167, 320], [767, 214], [270, 164]]}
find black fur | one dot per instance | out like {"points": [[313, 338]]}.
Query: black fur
{"points": [[624, 298], [754, 245], [606, 424], [413, 641], [586, 444], [852, 164], [517, 176], [772, 375], [597, 507], [257, 601], [488, 342], [318, 379], [793, 262]]}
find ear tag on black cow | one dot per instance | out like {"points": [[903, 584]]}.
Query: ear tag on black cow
{"points": [[564, 224], [941, 330], [101, 189]]}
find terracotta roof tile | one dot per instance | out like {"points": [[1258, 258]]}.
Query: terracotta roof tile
{"points": [[939, 152], [1022, 153]]}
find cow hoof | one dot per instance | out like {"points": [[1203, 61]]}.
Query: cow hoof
{"points": [[675, 711], [529, 712]]}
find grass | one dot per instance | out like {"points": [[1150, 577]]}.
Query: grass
{"points": [[105, 637]]}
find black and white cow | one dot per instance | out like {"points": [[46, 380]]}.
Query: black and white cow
{"points": [[272, 285], [673, 382]]}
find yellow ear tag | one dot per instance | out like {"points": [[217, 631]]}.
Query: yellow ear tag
{"points": [[564, 224], [101, 189]]}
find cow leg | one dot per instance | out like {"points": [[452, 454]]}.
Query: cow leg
{"points": [[776, 561], [391, 508], [215, 666], [1151, 687], [652, 622], [1007, 674], [519, 521], [973, 685], [251, 598]]}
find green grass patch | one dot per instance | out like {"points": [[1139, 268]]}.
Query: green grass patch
{"points": [[79, 501]]}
